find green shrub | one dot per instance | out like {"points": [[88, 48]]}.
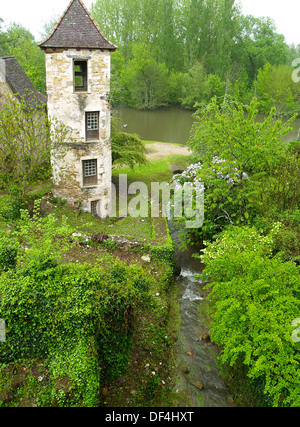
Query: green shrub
{"points": [[294, 147], [8, 253], [254, 300], [163, 252]]}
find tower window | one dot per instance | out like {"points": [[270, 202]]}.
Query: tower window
{"points": [[94, 205], [89, 172], [92, 126], [80, 76]]}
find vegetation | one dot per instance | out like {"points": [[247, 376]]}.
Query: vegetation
{"points": [[183, 53], [127, 149], [105, 303], [26, 136], [180, 53], [251, 232], [81, 314]]}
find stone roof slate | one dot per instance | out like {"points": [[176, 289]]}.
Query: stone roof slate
{"points": [[20, 84], [77, 29]]}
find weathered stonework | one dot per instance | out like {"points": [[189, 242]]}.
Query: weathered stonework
{"points": [[70, 107], [78, 83]]}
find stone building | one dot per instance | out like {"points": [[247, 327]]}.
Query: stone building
{"points": [[78, 84]]}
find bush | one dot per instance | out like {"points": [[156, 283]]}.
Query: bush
{"points": [[254, 300], [8, 253]]}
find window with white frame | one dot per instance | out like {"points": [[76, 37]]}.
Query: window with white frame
{"points": [[92, 125], [90, 172]]}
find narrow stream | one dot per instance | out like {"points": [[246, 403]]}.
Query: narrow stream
{"points": [[199, 382]]}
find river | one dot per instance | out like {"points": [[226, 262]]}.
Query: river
{"points": [[168, 125], [199, 383]]}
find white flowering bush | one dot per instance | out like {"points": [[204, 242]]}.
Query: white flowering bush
{"points": [[222, 184]]}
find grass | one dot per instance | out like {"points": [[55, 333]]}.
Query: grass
{"points": [[156, 171], [148, 380]]}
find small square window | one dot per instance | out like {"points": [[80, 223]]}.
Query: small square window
{"points": [[80, 76], [94, 205], [90, 172], [92, 126]]}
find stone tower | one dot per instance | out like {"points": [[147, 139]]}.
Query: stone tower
{"points": [[78, 84]]}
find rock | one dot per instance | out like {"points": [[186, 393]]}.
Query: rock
{"points": [[177, 169], [84, 236], [146, 258], [198, 385], [28, 403], [124, 243]]}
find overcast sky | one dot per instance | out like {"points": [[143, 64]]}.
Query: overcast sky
{"points": [[33, 14]]}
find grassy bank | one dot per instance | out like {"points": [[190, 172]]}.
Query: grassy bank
{"points": [[112, 346]]}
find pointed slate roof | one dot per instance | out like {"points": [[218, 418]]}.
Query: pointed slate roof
{"points": [[77, 29], [20, 84]]}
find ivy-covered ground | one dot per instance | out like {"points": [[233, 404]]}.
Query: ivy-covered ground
{"points": [[87, 323]]}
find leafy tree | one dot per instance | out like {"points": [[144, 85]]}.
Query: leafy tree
{"points": [[198, 87], [261, 43], [26, 136], [127, 149], [21, 44], [238, 155], [2, 39], [146, 80], [228, 133], [275, 88]]}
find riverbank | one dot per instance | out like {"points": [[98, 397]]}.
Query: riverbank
{"points": [[138, 359], [159, 150]]}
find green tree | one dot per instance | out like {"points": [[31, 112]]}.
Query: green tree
{"points": [[260, 43], [198, 87], [228, 133], [238, 153], [21, 44], [27, 136], [146, 80], [127, 149], [2, 39], [275, 88]]}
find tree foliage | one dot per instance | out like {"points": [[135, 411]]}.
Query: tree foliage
{"points": [[127, 149], [27, 136], [254, 301], [160, 40], [21, 44]]}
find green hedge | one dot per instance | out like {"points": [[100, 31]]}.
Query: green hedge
{"points": [[71, 315], [255, 299]]}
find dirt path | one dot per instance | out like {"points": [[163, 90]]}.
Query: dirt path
{"points": [[159, 150]]}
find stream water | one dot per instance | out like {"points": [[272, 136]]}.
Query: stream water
{"points": [[199, 381]]}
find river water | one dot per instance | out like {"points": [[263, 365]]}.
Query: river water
{"points": [[199, 382], [168, 125]]}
